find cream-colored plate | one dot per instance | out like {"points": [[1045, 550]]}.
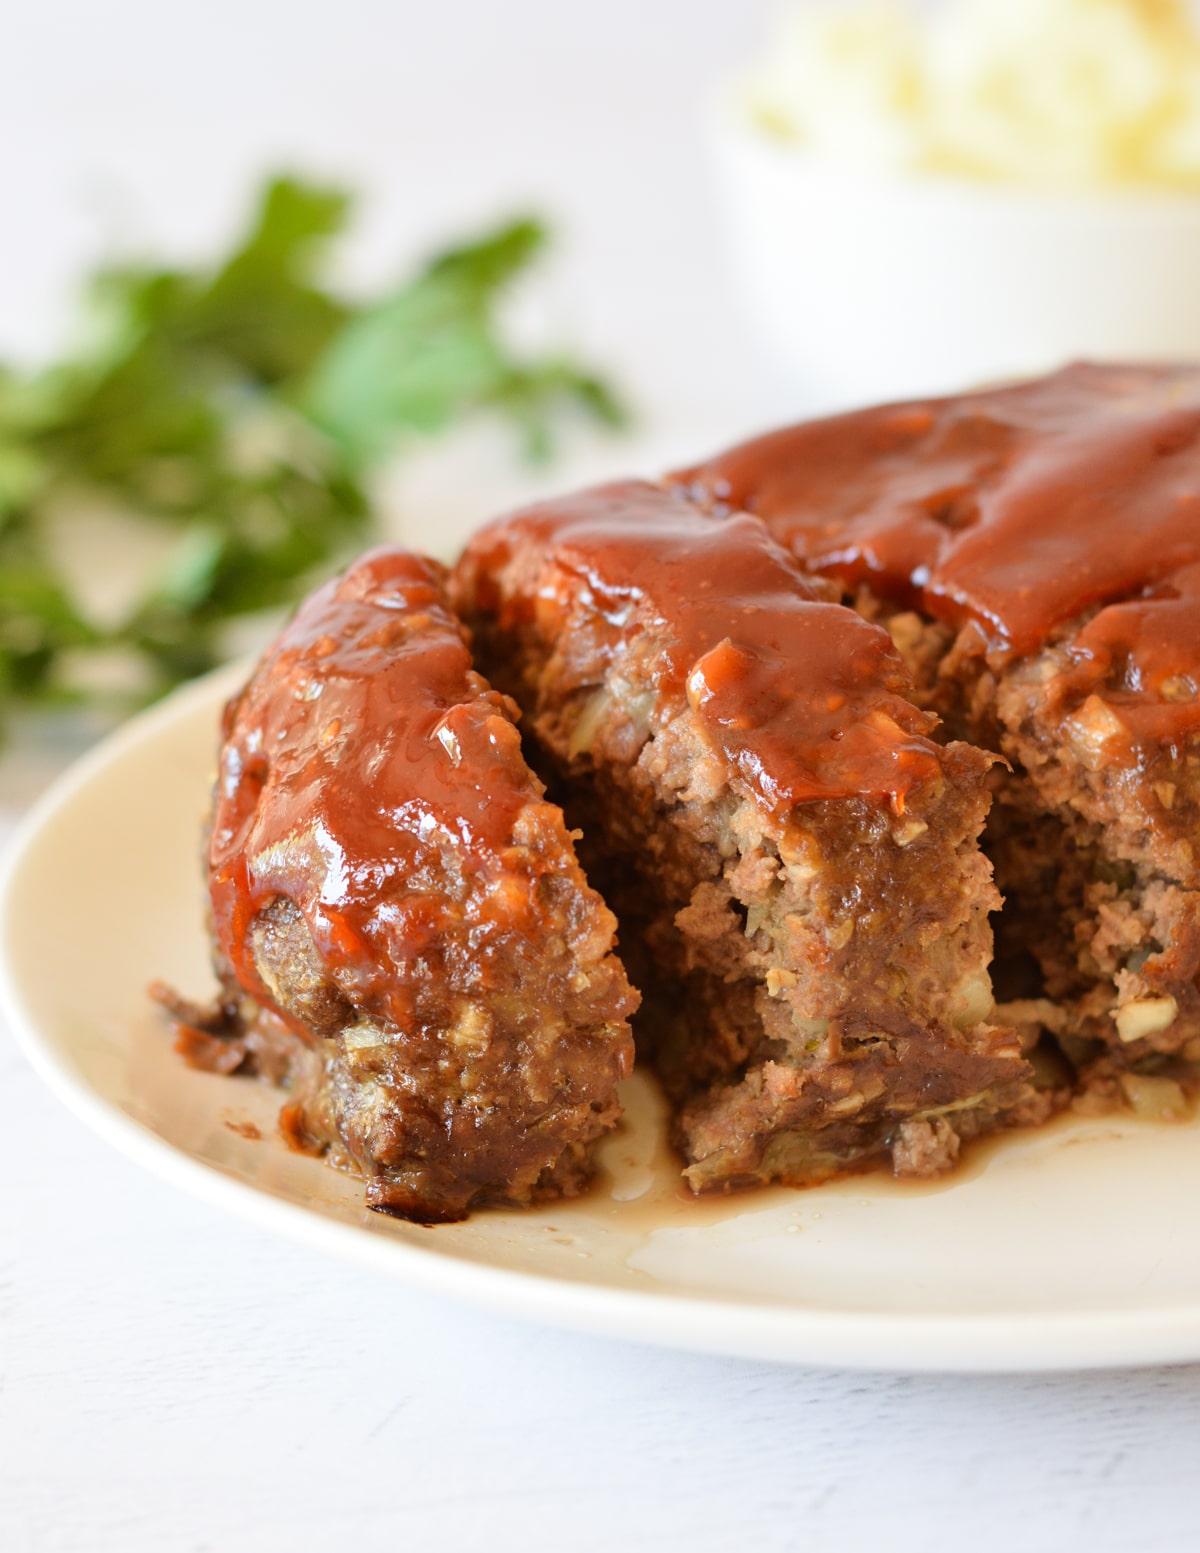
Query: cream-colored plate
{"points": [[1074, 1246]]}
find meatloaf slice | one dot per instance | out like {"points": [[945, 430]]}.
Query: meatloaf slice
{"points": [[793, 859], [401, 923]]}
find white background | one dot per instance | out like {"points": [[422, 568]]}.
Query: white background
{"points": [[169, 1379]]}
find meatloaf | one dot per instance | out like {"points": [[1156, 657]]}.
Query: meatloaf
{"points": [[1035, 553], [880, 736], [402, 930], [793, 857]]}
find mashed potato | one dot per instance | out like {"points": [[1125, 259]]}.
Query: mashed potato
{"points": [[1051, 92]]}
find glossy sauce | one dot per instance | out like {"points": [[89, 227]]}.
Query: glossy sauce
{"points": [[804, 698], [1021, 510], [363, 754]]}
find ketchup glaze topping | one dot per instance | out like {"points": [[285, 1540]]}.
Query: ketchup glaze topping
{"points": [[804, 698], [364, 765], [1072, 498]]}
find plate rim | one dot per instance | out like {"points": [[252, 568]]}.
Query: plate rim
{"points": [[817, 1335]]}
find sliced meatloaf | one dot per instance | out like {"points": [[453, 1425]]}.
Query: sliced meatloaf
{"points": [[402, 927], [1036, 553], [792, 856], [805, 706]]}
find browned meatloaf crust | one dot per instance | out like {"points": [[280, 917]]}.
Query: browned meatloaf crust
{"points": [[793, 858], [402, 928]]}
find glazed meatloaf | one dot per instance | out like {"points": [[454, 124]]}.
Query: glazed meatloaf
{"points": [[1035, 554], [793, 857], [402, 930], [880, 736]]}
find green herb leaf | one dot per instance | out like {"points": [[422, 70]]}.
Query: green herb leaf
{"points": [[433, 352], [245, 407]]}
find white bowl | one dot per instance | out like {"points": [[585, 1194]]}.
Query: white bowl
{"points": [[867, 286]]}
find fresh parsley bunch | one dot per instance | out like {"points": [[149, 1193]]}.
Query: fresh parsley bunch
{"points": [[244, 410]]}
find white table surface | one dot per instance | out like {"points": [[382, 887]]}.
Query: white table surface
{"points": [[170, 1380]]}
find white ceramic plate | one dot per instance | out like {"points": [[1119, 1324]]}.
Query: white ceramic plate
{"points": [[1074, 1246]]}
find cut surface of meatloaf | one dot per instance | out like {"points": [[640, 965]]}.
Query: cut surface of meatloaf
{"points": [[1035, 552], [402, 927], [793, 858]]}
